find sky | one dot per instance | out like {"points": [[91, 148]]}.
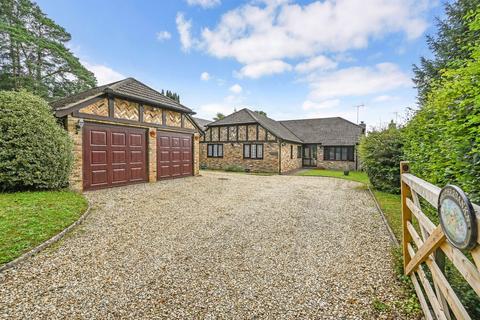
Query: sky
{"points": [[291, 59]]}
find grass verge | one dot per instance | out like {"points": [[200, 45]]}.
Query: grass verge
{"points": [[29, 218]]}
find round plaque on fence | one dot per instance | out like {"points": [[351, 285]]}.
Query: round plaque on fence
{"points": [[457, 217]]}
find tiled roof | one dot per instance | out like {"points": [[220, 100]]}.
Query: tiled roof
{"points": [[327, 131], [127, 88], [202, 123]]}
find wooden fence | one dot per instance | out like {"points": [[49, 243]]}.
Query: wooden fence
{"points": [[429, 248]]}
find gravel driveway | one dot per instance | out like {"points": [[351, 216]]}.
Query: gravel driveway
{"points": [[217, 246]]}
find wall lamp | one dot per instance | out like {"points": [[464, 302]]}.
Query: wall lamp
{"points": [[79, 126]]}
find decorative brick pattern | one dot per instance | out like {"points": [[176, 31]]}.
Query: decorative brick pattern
{"points": [[252, 132], [152, 115], [233, 133], [214, 133], [124, 109], [262, 134], [223, 133], [188, 124], [287, 163], [99, 108], [233, 155], [242, 133], [174, 119]]}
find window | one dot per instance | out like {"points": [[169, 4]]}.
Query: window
{"points": [[299, 152], [291, 151], [338, 153], [215, 150], [253, 151]]}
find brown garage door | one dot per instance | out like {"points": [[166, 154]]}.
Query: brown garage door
{"points": [[113, 156], [174, 155]]}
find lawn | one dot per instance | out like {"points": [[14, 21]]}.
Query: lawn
{"points": [[353, 175], [29, 218]]}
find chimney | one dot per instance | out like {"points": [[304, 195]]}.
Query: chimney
{"points": [[364, 126]]}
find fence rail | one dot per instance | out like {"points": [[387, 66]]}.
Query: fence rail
{"points": [[428, 249]]}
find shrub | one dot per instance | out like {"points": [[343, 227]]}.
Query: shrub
{"points": [[234, 168], [381, 153], [35, 152]]}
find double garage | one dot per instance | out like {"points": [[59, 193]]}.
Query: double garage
{"points": [[118, 155]]}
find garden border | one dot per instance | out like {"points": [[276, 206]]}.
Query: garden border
{"points": [[393, 238], [46, 243]]}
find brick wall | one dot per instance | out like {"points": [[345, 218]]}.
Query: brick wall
{"points": [[233, 155], [76, 176], [334, 165], [287, 162]]}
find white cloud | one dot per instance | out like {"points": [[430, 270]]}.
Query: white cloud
{"points": [[163, 35], [358, 81], [204, 3], [278, 30], [184, 28], [384, 98], [317, 63], [205, 76], [209, 110], [103, 73], [308, 105], [259, 69], [236, 88]]}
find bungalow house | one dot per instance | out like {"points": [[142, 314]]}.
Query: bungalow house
{"points": [[257, 143], [126, 132]]}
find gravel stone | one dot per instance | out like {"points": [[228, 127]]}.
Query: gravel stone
{"points": [[223, 245]]}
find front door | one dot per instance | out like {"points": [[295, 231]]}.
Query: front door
{"points": [[309, 158]]}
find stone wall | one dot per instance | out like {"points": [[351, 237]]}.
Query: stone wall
{"points": [[287, 162], [76, 176], [233, 155], [335, 165]]}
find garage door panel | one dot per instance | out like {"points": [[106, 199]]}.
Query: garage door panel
{"points": [[98, 157], [109, 159], [98, 138], [99, 177], [136, 140], [119, 157], [174, 155], [136, 157]]}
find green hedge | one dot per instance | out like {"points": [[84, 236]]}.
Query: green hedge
{"points": [[442, 140], [35, 151], [381, 153]]}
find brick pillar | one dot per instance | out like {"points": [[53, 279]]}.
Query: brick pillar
{"points": [[76, 176], [196, 154], [319, 155], [152, 155]]}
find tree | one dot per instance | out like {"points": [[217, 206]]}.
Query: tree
{"points": [[451, 42], [263, 113], [171, 95], [33, 55], [219, 116]]}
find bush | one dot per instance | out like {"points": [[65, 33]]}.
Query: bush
{"points": [[234, 168], [381, 153], [35, 152]]}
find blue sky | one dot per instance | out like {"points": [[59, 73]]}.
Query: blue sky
{"points": [[292, 59]]}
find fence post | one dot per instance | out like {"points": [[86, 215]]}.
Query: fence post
{"points": [[406, 213]]}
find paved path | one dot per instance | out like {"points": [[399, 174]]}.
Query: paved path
{"points": [[217, 246]]}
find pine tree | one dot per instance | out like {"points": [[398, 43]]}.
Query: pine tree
{"points": [[450, 43], [33, 55]]}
